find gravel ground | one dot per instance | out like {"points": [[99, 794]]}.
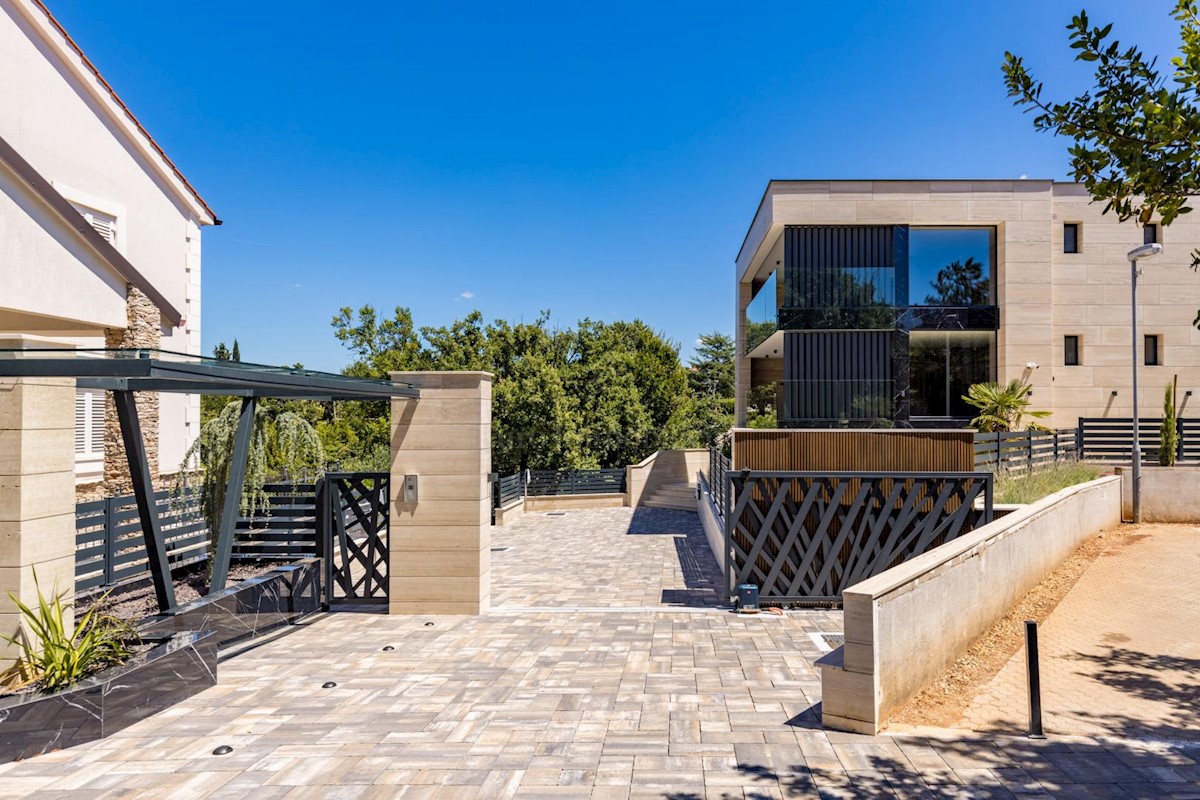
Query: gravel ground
{"points": [[134, 601]]}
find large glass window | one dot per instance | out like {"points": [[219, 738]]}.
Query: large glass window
{"points": [[950, 266], [943, 365]]}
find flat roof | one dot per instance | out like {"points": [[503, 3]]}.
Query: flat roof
{"points": [[148, 370]]}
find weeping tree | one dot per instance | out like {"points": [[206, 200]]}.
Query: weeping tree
{"points": [[283, 446]]}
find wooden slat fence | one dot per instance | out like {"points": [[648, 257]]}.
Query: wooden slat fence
{"points": [[1103, 439], [575, 481], [854, 450], [1022, 451]]}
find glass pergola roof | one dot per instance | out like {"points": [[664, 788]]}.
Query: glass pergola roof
{"points": [[147, 370]]}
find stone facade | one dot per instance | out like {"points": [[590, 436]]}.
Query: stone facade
{"points": [[1043, 293], [144, 330]]}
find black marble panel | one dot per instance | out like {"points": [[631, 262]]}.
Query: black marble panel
{"points": [[181, 665], [252, 607]]}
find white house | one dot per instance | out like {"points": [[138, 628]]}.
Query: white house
{"points": [[99, 230]]}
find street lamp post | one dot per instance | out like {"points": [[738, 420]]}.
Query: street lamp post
{"points": [[1143, 252]]}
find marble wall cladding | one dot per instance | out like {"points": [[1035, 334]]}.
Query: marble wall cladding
{"points": [[180, 665], [252, 607]]}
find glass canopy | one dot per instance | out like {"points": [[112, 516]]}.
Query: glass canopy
{"points": [[146, 370]]}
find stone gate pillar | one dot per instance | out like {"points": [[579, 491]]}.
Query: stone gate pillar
{"points": [[37, 487], [439, 546]]}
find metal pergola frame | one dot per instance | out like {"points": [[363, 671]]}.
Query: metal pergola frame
{"points": [[125, 371]]}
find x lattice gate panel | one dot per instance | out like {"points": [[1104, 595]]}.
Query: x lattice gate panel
{"points": [[809, 536], [353, 510]]}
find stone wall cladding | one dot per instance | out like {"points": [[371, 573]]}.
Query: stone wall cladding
{"points": [[143, 331]]}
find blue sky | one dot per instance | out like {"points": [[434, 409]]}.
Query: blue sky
{"points": [[599, 160]]}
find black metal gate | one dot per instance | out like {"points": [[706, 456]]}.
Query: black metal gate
{"points": [[352, 519]]}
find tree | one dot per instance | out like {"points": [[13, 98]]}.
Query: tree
{"points": [[235, 354], [1136, 135], [381, 346], [1168, 432], [960, 283], [712, 383], [1003, 408], [221, 352]]}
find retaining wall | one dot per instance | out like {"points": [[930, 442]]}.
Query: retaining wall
{"points": [[905, 625]]}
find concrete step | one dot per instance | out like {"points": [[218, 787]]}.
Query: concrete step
{"points": [[678, 505]]}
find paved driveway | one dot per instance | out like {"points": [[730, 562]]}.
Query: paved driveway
{"points": [[604, 692]]}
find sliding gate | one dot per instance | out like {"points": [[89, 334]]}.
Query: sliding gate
{"points": [[352, 526]]}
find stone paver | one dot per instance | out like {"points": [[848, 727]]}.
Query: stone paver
{"points": [[605, 557], [643, 700], [1120, 655]]}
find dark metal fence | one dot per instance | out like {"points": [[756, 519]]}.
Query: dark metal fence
{"points": [[506, 489], [1022, 451], [1102, 439], [718, 480], [109, 546], [808, 536], [575, 481]]}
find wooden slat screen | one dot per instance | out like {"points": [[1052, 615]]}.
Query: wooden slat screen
{"points": [[845, 450]]}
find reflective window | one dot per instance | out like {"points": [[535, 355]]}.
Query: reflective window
{"points": [[762, 315], [1071, 237], [1071, 351], [950, 266], [943, 365], [1149, 233]]}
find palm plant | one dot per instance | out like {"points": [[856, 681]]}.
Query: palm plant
{"points": [[1003, 408], [56, 654]]}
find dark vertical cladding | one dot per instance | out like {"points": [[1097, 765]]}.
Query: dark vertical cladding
{"points": [[839, 267], [837, 375]]}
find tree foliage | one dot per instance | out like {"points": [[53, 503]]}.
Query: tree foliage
{"points": [[960, 283], [1136, 132], [596, 395]]}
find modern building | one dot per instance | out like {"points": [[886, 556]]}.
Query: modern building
{"points": [[878, 302], [99, 231]]}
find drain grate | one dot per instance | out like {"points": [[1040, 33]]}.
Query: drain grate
{"points": [[501, 549], [556, 513]]}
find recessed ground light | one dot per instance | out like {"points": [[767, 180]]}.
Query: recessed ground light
{"points": [[501, 549], [223, 750], [328, 685], [428, 624], [388, 649], [556, 513]]}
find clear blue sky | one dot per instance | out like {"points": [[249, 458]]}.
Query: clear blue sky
{"points": [[599, 160]]}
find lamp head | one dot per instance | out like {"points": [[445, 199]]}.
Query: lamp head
{"points": [[1145, 251]]}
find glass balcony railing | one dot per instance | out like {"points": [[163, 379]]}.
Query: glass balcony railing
{"points": [[762, 315], [822, 404]]}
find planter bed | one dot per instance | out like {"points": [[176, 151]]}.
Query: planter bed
{"points": [[180, 665], [250, 608]]}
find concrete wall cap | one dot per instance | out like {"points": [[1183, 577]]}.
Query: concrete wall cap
{"points": [[25, 341], [433, 379], [901, 577]]}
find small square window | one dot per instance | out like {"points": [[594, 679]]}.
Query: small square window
{"points": [[1071, 237], [1149, 233], [1153, 351], [1071, 351]]}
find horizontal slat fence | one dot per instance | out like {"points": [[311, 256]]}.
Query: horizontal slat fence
{"points": [[109, 547], [508, 488], [575, 481], [854, 450], [108, 537], [1022, 451], [285, 528], [1112, 439]]}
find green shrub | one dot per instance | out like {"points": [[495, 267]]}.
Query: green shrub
{"points": [[56, 655], [1029, 488]]}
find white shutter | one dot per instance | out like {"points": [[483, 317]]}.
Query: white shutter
{"points": [[89, 422], [97, 421], [105, 224], [81, 421]]}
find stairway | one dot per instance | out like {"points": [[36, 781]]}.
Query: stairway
{"points": [[681, 496]]}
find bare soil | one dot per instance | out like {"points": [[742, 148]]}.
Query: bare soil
{"points": [[135, 601], [943, 703]]}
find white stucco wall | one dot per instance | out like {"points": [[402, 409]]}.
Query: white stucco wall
{"points": [[61, 119]]}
